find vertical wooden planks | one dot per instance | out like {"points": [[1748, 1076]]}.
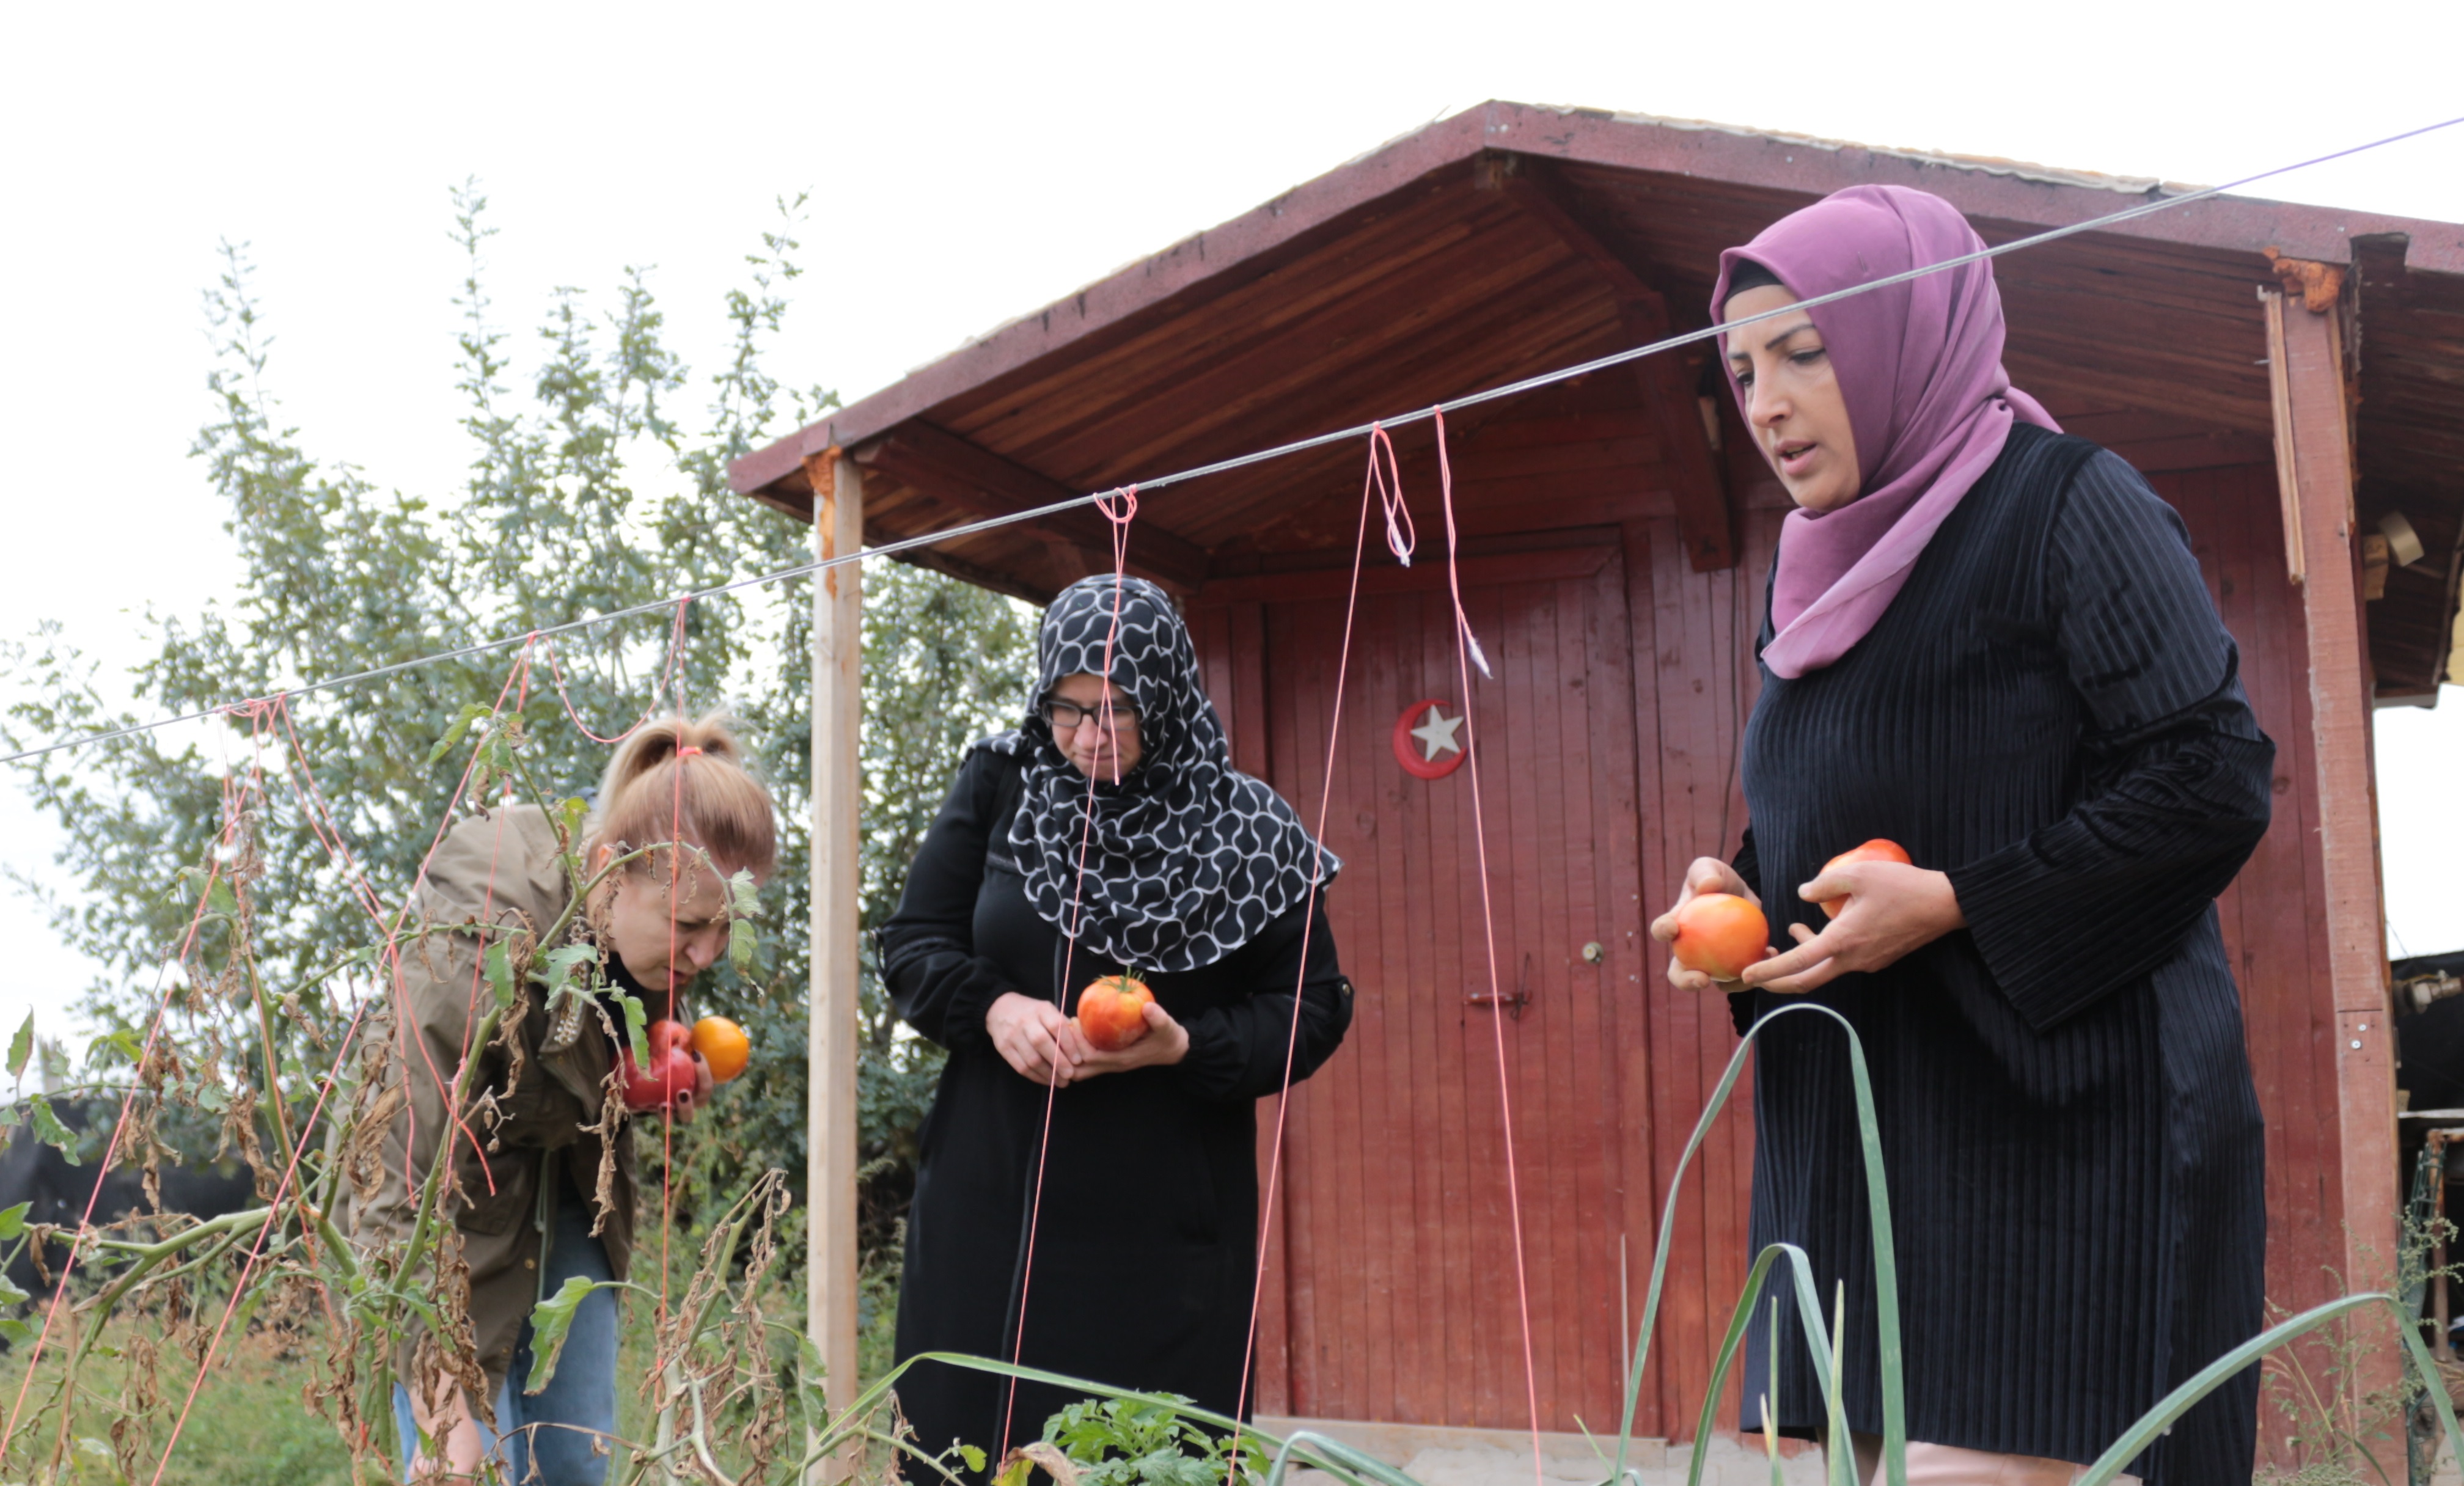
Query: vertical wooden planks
{"points": [[1401, 1288]]}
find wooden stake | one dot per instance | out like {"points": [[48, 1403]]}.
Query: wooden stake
{"points": [[2313, 432], [2288, 478], [832, 1030]]}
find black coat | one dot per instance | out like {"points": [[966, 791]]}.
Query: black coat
{"points": [[1145, 1248], [2049, 712]]}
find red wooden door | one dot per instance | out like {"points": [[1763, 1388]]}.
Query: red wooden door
{"points": [[1393, 1294]]}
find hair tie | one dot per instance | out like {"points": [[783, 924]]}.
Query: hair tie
{"points": [[689, 750]]}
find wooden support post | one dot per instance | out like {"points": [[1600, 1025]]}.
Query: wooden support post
{"points": [[2314, 433], [832, 1020]]}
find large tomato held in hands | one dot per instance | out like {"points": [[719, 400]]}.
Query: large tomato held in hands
{"points": [[1875, 850], [1719, 934], [723, 1045], [1113, 1012], [669, 1083]]}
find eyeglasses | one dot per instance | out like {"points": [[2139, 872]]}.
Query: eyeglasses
{"points": [[1064, 715]]}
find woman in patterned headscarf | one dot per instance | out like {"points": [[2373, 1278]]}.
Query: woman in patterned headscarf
{"points": [[1109, 832]]}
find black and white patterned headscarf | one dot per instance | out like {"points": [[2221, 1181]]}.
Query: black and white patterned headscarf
{"points": [[1189, 858]]}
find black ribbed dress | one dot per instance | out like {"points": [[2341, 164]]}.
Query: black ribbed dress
{"points": [[2049, 712]]}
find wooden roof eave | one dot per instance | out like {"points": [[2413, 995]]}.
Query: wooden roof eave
{"points": [[1672, 148]]}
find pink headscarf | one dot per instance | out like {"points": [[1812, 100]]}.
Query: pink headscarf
{"points": [[1920, 364]]}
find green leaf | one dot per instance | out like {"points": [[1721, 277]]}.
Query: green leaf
{"points": [[558, 969], [471, 713], [21, 1048], [637, 1026], [122, 1042], [48, 1129], [550, 1320], [13, 1223], [213, 888], [499, 965], [743, 903], [974, 1457], [16, 1331]]}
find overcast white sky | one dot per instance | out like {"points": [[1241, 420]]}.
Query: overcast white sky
{"points": [[970, 162]]}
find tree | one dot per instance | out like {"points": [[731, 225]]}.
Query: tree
{"points": [[588, 497]]}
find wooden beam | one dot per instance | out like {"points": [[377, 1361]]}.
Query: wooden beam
{"points": [[1704, 522], [832, 1020], [949, 468], [2288, 476], [2314, 429]]}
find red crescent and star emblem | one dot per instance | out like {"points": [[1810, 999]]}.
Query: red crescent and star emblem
{"points": [[1428, 741]]}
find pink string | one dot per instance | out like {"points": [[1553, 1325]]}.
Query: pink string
{"points": [[300, 1145], [1120, 508], [232, 814], [1387, 486], [666, 683], [1465, 647]]}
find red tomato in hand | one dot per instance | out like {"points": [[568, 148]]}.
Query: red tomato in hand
{"points": [[1113, 1012], [1875, 850], [670, 1080], [1719, 934]]}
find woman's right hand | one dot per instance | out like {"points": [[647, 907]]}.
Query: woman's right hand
{"points": [[1028, 1032], [1707, 875]]}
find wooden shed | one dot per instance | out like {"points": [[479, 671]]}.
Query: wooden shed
{"points": [[2291, 378]]}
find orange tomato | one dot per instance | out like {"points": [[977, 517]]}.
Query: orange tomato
{"points": [[1875, 850], [1719, 934], [723, 1045], [1113, 1012]]}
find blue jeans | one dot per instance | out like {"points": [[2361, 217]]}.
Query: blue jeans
{"points": [[554, 1432]]}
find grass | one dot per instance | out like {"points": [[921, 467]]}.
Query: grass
{"points": [[251, 1425]]}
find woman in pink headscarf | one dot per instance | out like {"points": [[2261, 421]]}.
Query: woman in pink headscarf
{"points": [[1988, 642]]}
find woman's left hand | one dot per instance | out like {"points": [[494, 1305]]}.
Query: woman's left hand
{"points": [[1166, 1042], [1892, 911]]}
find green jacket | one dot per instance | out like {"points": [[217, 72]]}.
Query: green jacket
{"points": [[499, 867]]}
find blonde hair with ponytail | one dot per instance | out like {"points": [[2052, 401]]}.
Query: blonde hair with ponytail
{"points": [[677, 781]]}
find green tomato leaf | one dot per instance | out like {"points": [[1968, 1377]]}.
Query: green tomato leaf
{"points": [[498, 963], [550, 1320], [637, 1025], [122, 1042], [974, 1457], [454, 734], [12, 1224], [16, 1331], [48, 1129], [21, 1048], [559, 970], [743, 904]]}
